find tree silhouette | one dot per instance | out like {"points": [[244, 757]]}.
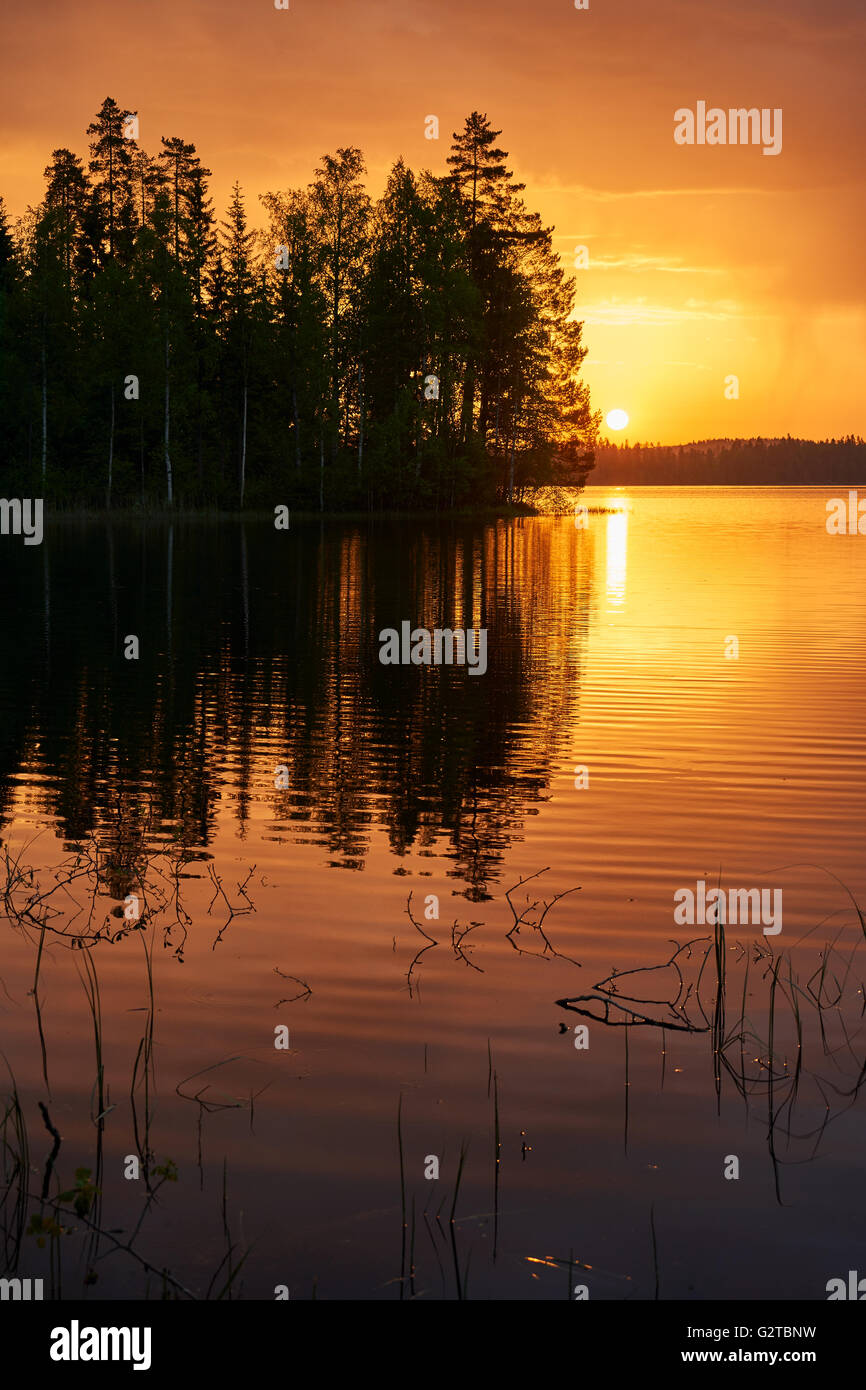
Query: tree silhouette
{"points": [[415, 353]]}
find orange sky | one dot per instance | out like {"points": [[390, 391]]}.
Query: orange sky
{"points": [[704, 261]]}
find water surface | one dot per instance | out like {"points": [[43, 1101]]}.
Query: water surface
{"points": [[609, 649]]}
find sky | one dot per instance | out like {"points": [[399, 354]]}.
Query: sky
{"points": [[725, 290]]}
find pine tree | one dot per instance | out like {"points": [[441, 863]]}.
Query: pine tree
{"points": [[111, 166], [299, 311], [342, 209], [426, 349], [67, 195], [487, 192], [393, 312], [242, 315], [10, 342]]}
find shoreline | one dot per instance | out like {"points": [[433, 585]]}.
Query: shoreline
{"points": [[91, 515]]}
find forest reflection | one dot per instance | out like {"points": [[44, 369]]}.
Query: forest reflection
{"points": [[259, 650]]}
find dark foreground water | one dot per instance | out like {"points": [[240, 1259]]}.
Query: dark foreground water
{"points": [[674, 696]]}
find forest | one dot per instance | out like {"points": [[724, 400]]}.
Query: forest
{"points": [[756, 462], [415, 352]]}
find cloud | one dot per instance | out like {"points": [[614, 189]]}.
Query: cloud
{"points": [[633, 261], [610, 195], [616, 313]]}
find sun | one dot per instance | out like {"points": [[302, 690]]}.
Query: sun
{"points": [[616, 419]]}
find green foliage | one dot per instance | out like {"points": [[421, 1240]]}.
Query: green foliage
{"points": [[83, 1194], [44, 1227], [81, 1197], [149, 356], [167, 1171]]}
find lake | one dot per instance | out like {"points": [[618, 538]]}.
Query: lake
{"points": [[258, 962]]}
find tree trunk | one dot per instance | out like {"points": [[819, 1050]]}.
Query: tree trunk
{"points": [[44, 408], [322, 471], [168, 479], [245, 590], [111, 449], [198, 423], [361, 410], [244, 448], [467, 408], [297, 429], [336, 341], [169, 574], [112, 587], [46, 591]]}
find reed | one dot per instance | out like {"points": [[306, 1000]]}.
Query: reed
{"points": [[412, 1252], [497, 1163], [464, 1148], [15, 1151], [771, 1062], [655, 1250], [718, 1031], [402, 1195], [38, 1008], [626, 1032], [432, 1236], [90, 981]]}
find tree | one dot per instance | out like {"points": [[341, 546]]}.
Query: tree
{"points": [[395, 347], [244, 312], [299, 316], [10, 342], [67, 195], [420, 353], [341, 210], [111, 167]]}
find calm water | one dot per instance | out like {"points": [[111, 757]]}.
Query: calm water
{"points": [[267, 905]]}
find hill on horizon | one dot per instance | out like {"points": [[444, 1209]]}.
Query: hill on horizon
{"points": [[757, 462]]}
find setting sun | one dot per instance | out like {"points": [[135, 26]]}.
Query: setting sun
{"points": [[616, 419]]}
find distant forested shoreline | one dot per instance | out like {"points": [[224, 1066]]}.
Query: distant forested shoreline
{"points": [[413, 353], [734, 462]]}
